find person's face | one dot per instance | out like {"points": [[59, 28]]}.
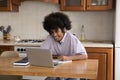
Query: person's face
{"points": [[57, 34]]}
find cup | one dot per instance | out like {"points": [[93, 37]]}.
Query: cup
{"points": [[17, 38]]}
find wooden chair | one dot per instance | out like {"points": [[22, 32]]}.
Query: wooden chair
{"points": [[10, 77], [10, 54]]}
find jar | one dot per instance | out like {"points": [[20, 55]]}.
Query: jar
{"points": [[6, 36]]}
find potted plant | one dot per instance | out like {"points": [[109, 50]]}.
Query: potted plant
{"points": [[6, 32]]}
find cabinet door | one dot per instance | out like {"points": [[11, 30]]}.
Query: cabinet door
{"points": [[9, 5], [72, 5], [99, 4], [102, 64], [4, 5], [6, 48]]}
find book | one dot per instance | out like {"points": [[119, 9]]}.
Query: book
{"points": [[21, 62]]}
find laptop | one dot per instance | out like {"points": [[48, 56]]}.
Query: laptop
{"points": [[42, 57]]}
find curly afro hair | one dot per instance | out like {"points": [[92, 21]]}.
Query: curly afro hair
{"points": [[56, 20]]}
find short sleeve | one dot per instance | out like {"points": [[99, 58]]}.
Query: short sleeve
{"points": [[78, 47], [46, 43]]}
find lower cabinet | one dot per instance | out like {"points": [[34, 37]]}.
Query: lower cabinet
{"points": [[6, 48], [105, 57]]}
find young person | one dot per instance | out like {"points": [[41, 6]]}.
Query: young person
{"points": [[63, 44]]}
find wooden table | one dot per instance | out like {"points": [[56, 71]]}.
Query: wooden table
{"points": [[77, 69]]}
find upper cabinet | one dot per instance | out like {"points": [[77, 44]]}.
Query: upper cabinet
{"points": [[13, 5], [9, 5], [89, 5], [65, 5]]}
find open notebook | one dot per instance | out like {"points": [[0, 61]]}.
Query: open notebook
{"points": [[42, 57]]}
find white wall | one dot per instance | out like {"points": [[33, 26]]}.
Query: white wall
{"points": [[27, 23]]}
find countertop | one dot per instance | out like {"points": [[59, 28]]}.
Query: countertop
{"points": [[7, 43], [85, 44], [97, 44]]}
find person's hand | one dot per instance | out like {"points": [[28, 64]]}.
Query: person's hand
{"points": [[55, 57], [64, 58]]}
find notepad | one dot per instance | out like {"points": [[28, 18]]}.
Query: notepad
{"points": [[61, 61], [21, 62]]}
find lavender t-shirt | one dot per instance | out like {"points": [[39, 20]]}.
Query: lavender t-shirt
{"points": [[69, 45]]}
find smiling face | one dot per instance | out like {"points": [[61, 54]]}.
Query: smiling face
{"points": [[57, 34]]}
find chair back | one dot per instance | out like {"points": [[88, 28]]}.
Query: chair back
{"points": [[10, 54]]}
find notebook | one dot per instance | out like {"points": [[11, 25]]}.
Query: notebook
{"points": [[21, 62], [42, 57]]}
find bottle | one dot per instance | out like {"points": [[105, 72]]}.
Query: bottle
{"points": [[82, 34]]}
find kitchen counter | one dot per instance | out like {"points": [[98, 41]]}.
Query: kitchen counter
{"points": [[97, 44], [7, 43], [85, 44]]}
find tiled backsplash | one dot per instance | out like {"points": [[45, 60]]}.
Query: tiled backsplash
{"points": [[27, 23]]}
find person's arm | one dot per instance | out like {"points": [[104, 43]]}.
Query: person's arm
{"points": [[74, 57]]}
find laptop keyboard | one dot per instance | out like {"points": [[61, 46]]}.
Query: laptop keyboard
{"points": [[26, 58]]}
